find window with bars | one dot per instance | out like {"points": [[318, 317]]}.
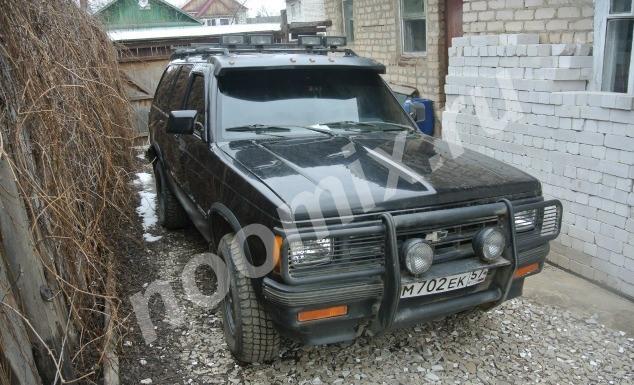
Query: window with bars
{"points": [[614, 29], [414, 26]]}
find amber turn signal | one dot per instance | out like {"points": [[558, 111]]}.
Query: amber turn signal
{"points": [[526, 270], [311, 315], [277, 253]]}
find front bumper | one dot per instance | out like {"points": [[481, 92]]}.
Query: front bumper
{"points": [[374, 301]]}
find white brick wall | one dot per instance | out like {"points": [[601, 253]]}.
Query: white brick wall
{"points": [[305, 10], [556, 21], [525, 104]]}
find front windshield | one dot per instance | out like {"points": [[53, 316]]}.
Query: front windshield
{"points": [[304, 98]]}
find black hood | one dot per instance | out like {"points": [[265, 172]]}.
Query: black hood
{"points": [[386, 171]]}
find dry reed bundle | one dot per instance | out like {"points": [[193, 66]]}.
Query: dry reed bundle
{"points": [[65, 129]]}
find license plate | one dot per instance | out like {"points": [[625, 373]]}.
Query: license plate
{"points": [[444, 284]]}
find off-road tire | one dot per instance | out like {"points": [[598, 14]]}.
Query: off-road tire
{"points": [[249, 331], [170, 212]]}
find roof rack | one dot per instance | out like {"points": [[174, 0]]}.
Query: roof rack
{"points": [[237, 44], [217, 49]]}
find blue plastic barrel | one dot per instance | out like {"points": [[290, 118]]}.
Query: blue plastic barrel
{"points": [[426, 123]]}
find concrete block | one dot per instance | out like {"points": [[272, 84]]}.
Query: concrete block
{"points": [[545, 13], [478, 5], [598, 152], [563, 49], [596, 113], [567, 111], [484, 40], [617, 259], [543, 109], [626, 157], [621, 116], [537, 62], [523, 38], [619, 142], [576, 61], [611, 219], [624, 102], [616, 169], [609, 243], [504, 15], [583, 50], [558, 74], [557, 25], [490, 61], [460, 41], [568, 12]]}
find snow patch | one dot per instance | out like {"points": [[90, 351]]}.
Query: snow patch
{"points": [[151, 238], [147, 204]]}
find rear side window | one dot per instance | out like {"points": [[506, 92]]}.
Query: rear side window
{"points": [[196, 101], [163, 90], [177, 95]]}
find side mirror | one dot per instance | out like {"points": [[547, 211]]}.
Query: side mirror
{"points": [[417, 112], [182, 122]]}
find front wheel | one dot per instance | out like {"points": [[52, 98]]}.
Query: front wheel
{"points": [[247, 327]]}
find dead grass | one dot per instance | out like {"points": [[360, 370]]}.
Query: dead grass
{"points": [[66, 129]]}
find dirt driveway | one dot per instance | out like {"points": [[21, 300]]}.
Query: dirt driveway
{"points": [[522, 341]]}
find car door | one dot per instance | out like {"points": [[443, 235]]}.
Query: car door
{"points": [[197, 157], [157, 122], [175, 146]]}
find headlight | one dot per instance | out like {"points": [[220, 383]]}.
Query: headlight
{"points": [[314, 252], [418, 256], [525, 220], [489, 244]]}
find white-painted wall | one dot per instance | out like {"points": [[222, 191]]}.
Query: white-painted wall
{"points": [[526, 104]]}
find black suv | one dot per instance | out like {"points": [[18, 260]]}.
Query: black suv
{"points": [[363, 223]]}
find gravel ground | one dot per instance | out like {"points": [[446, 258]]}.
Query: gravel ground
{"points": [[519, 342]]}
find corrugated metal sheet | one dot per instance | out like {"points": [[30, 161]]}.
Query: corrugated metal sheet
{"points": [[123, 35]]}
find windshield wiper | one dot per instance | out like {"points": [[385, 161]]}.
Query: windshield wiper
{"points": [[349, 124], [263, 128], [257, 128]]}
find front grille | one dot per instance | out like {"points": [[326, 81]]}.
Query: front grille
{"points": [[353, 253], [455, 242]]}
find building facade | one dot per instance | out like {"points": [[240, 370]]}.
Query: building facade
{"points": [[548, 86], [408, 36], [217, 12], [126, 14]]}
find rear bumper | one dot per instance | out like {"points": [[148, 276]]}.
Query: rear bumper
{"points": [[374, 301]]}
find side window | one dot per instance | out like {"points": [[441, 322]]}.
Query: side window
{"points": [[414, 25], [163, 90], [196, 101], [177, 95]]}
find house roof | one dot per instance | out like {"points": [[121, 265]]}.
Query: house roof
{"points": [[213, 8], [119, 14]]}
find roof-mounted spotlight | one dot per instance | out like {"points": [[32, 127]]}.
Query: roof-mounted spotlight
{"points": [[335, 41], [261, 40], [233, 40], [310, 41]]}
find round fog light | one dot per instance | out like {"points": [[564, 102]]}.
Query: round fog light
{"points": [[489, 244], [418, 256]]}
